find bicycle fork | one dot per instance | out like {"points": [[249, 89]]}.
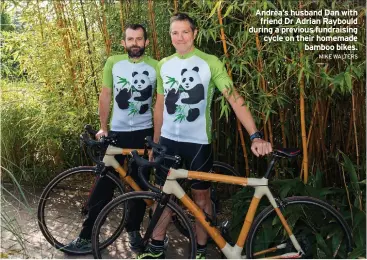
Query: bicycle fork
{"points": [[161, 205]]}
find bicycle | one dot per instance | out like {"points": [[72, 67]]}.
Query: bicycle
{"points": [[282, 230], [63, 204]]}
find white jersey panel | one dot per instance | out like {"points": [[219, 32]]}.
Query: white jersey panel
{"points": [[133, 87], [185, 83]]}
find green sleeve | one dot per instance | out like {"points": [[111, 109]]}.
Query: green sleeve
{"points": [[160, 89], [107, 80], [220, 76]]}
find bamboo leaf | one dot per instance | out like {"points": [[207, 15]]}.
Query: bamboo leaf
{"points": [[323, 246], [284, 192], [359, 218], [336, 241], [357, 252], [348, 165], [229, 9], [359, 235], [348, 80], [271, 5], [319, 177], [217, 5]]}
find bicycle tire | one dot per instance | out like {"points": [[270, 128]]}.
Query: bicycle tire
{"points": [[228, 168], [220, 168], [146, 195], [53, 235], [303, 229]]}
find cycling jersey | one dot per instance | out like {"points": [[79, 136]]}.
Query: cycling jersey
{"points": [[187, 82], [133, 83]]}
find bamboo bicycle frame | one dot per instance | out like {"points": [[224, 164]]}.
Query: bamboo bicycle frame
{"points": [[109, 160], [171, 186]]}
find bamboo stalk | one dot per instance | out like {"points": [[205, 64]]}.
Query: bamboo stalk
{"points": [[215, 118], [236, 153], [104, 28], [175, 3], [245, 155], [239, 126], [348, 197], [61, 25], [48, 84], [325, 128], [270, 132], [320, 126], [355, 131], [282, 118], [98, 18], [153, 27], [218, 127], [312, 122], [67, 23], [75, 25], [89, 49], [122, 17], [303, 127], [349, 137], [40, 20], [80, 64], [262, 82]]}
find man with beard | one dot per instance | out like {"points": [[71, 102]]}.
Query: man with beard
{"points": [[130, 79]]}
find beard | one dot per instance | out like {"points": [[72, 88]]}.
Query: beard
{"points": [[135, 53]]}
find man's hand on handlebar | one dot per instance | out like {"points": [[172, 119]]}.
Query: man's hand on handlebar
{"points": [[101, 133]]}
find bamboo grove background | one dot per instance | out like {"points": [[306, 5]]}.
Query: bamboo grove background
{"points": [[53, 53]]}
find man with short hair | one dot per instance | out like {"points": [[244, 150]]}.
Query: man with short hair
{"points": [[129, 80], [186, 82]]}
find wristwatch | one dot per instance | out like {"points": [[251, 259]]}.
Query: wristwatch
{"points": [[255, 135]]}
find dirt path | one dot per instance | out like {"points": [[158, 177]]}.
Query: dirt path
{"points": [[22, 238]]}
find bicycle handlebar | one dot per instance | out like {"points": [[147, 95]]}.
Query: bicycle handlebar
{"points": [[88, 128], [88, 139], [103, 141], [142, 163], [158, 149]]}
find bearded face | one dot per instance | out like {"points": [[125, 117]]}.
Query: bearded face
{"points": [[135, 51], [135, 42]]}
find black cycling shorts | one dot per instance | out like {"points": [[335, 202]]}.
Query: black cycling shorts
{"points": [[195, 157]]}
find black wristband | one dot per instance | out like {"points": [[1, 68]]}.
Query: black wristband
{"points": [[255, 135]]}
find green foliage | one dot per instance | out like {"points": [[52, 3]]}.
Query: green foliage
{"points": [[10, 67], [6, 23], [40, 131]]}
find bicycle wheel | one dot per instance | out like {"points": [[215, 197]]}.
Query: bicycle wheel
{"points": [[179, 246], [319, 229], [220, 197], [62, 207]]}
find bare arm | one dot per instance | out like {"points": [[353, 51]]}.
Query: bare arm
{"points": [[258, 146], [158, 117], [104, 110], [242, 112]]}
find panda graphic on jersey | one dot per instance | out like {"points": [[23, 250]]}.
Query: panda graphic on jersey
{"points": [[137, 95], [191, 92]]}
